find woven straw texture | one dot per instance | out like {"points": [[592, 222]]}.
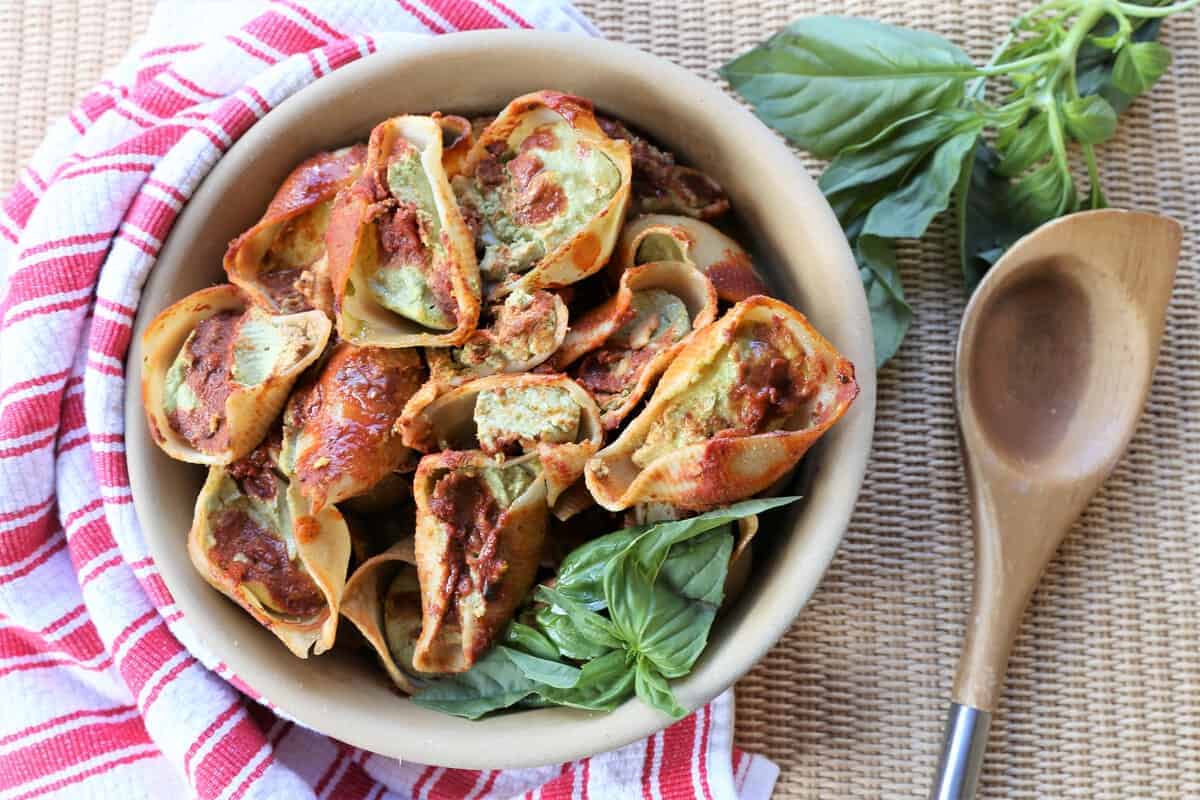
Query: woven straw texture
{"points": [[1103, 698]]}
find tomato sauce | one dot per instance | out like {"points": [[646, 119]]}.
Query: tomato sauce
{"points": [[211, 381], [462, 502], [247, 553]]}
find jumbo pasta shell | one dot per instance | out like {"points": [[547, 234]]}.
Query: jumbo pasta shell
{"points": [[526, 331], [553, 409], [274, 556], [280, 262], [547, 190], [401, 259], [550, 415], [248, 362], [626, 342], [666, 237], [383, 600], [737, 408], [481, 524], [338, 438]]}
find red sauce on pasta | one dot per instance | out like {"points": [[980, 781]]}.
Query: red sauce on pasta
{"points": [[770, 386], [542, 201], [349, 413], [316, 180], [734, 278], [542, 138], [462, 502], [209, 378], [281, 286], [254, 473], [247, 553]]}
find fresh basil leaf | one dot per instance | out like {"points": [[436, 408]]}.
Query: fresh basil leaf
{"points": [[579, 575], [541, 670], [655, 692], [1030, 144], [861, 175], [652, 546], [986, 224], [891, 315], [915, 175], [830, 82], [1008, 123], [531, 640], [696, 568], [590, 625], [688, 594], [1090, 120], [604, 683], [675, 631], [1094, 65], [666, 617], [907, 212], [629, 587], [1042, 195], [566, 636], [1139, 66], [493, 683]]}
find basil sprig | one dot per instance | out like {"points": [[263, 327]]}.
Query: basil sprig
{"points": [[903, 117], [627, 613]]}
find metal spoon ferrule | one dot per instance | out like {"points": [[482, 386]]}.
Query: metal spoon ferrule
{"points": [[958, 767]]}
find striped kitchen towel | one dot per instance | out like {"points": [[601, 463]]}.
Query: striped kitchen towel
{"points": [[102, 694]]}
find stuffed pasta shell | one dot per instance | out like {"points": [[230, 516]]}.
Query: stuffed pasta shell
{"points": [[525, 330], [401, 259], [546, 190], [280, 262], [664, 237], [617, 350], [481, 523], [737, 408], [259, 542], [217, 371], [338, 438], [506, 415], [383, 600]]}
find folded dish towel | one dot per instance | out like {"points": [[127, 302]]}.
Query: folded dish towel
{"points": [[105, 693]]}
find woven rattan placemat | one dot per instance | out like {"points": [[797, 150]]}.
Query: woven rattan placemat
{"points": [[1103, 698]]}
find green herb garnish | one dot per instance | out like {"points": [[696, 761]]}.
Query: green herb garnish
{"points": [[902, 114], [628, 612]]}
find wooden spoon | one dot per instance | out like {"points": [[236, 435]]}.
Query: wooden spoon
{"points": [[1054, 362]]}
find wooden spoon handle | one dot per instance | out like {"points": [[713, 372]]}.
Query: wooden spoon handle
{"points": [[996, 610], [1017, 529]]}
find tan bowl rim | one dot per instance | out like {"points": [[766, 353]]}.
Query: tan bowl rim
{"points": [[545, 736]]}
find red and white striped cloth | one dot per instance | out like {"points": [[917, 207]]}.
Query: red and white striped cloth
{"points": [[103, 693]]}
